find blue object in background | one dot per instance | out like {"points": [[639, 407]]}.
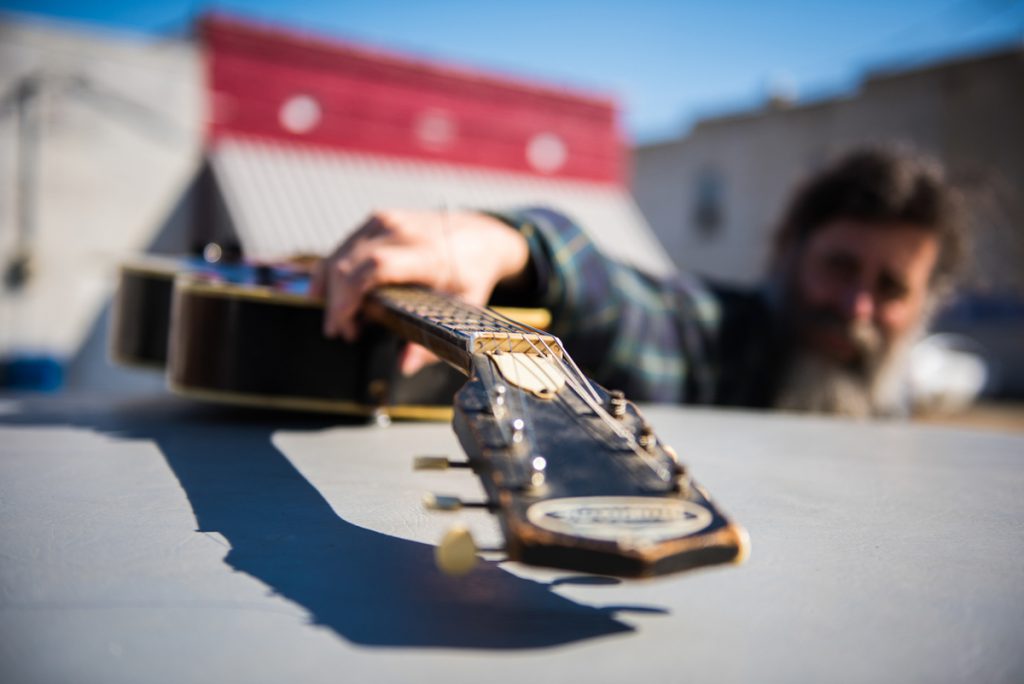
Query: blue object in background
{"points": [[32, 373]]}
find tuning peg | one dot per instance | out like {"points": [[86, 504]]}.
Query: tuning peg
{"points": [[436, 463], [647, 439], [441, 502], [380, 417], [456, 554], [744, 552], [617, 403], [444, 502]]}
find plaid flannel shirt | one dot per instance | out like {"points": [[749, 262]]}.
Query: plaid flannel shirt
{"points": [[678, 339]]}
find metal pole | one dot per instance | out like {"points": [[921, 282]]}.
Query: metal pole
{"points": [[16, 272]]}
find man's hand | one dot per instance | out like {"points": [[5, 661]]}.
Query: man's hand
{"points": [[461, 253]]}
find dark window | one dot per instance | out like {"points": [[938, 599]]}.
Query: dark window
{"points": [[708, 207]]}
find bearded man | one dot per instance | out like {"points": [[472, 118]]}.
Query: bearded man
{"points": [[863, 254]]}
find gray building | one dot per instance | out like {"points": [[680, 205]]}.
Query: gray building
{"points": [[99, 135], [106, 152], [713, 196]]}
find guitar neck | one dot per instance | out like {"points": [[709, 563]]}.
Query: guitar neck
{"points": [[452, 329]]}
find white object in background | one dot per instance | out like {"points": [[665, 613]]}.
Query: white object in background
{"points": [[947, 373]]}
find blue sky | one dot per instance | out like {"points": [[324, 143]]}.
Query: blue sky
{"points": [[667, 63]]}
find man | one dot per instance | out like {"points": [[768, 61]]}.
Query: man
{"points": [[864, 252]]}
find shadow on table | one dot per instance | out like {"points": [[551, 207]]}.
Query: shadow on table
{"points": [[369, 587]]}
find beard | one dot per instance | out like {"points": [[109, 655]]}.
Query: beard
{"points": [[869, 384], [814, 384]]}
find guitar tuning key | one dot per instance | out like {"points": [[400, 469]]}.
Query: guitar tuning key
{"points": [[680, 474], [381, 417], [617, 403], [456, 554], [647, 440], [436, 463], [448, 503], [441, 502], [430, 463], [378, 391], [682, 486]]}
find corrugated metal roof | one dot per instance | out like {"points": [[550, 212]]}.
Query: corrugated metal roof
{"points": [[288, 199]]}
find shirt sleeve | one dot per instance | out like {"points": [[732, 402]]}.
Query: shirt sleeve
{"points": [[649, 337]]}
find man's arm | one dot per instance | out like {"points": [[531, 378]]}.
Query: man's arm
{"points": [[650, 338], [462, 253], [629, 331]]}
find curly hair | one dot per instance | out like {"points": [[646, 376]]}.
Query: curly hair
{"points": [[882, 186]]}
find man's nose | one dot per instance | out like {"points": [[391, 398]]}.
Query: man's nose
{"points": [[859, 304]]}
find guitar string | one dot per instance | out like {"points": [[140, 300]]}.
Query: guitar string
{"points": [[540, 369], [465, 314], [496, 381], [577, 380], [591, 398], [631, 443], [452, 266], [543, 337], [504, 426], [574, 377], [499, 324], [574, 372], [528, 428], [610, 421], [564, 356]]}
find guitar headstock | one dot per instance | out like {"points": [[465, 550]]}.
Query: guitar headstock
{"points": [[575, 474]]}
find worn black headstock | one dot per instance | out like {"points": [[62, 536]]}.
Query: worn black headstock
{"points": [[576, 476]]}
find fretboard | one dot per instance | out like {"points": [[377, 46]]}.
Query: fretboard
{"points": [[451, 328]]}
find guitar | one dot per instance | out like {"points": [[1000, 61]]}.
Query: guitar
{"points": [[576, 476], [248, 334]]}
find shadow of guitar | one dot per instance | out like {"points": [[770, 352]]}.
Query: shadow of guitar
{"points": [[370, 588]]}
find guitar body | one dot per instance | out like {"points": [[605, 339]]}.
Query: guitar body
{"points": [[257, 345], [141, 323], [249, 335], [142, 312]]}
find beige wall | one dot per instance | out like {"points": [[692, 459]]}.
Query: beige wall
{"points": [[113, 160], [969, 113]]}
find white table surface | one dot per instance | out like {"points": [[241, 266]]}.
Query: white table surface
{"points": [[152, 540]]}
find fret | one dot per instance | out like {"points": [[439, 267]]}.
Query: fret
{"points": [[452, 329]]}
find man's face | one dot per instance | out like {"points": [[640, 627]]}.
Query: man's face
{"points": [[861, 289]]}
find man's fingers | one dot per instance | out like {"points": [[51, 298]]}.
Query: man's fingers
{"points": [[373, 228], [341, 304], [370, 266], [414, 358], [316, 279], [396, 247]]}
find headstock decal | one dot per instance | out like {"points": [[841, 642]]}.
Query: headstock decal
{"points": [[629, 520]]}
